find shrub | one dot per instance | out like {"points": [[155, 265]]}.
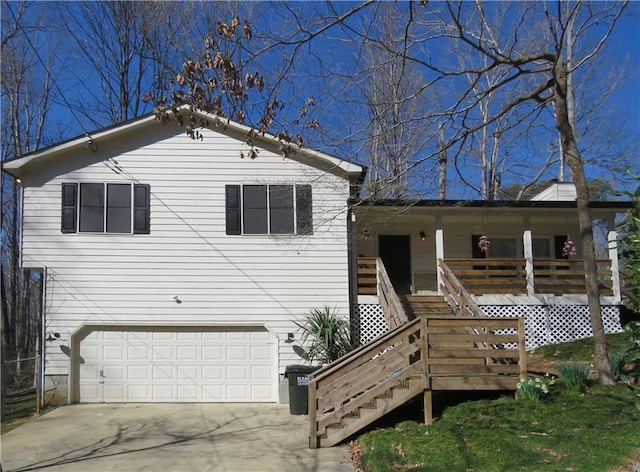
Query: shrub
{"points": [[617, 360], [574, 375], [629, 350]]}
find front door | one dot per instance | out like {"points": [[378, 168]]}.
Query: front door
{"points": [[395, 252]]}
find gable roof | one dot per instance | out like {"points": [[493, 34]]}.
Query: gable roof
{"points": [[349, 170]]}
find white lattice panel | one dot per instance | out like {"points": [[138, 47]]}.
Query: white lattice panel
{"points": [[544, 324], [370, 323], [552, 324]]}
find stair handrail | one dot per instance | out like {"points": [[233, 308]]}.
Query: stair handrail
{"points": [[456, 295], [388, 298], [347, 363]]}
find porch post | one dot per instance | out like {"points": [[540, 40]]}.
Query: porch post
{"points": [[612, 244], [527, 244], [439, 250]]}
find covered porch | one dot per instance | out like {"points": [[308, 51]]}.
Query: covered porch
{"points": [[527, 249]]}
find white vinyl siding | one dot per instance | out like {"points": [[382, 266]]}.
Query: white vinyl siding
{"points": [[110, 278]]}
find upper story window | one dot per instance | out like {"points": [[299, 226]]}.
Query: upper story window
{"points": [[269, 209], [105, 208]]}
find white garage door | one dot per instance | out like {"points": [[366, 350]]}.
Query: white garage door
{"points": [[178, 365]]}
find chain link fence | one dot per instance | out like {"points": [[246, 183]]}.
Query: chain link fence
{"points": [[20, 375]]}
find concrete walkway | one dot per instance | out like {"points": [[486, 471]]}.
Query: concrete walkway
{"points": [[168, 437]]}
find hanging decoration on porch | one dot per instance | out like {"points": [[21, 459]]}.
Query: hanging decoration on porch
{"points": [[569, 248], [484, 243]]}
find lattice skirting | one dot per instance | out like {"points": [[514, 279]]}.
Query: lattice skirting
{"points": [[544, 324], [369, 323], [552, 324]]}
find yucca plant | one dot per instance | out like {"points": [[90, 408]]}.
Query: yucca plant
{"points": [[325, 336]]}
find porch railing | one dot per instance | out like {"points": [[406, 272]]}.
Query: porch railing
{"points": [[550, 276], [374, 280], [566, 276]]}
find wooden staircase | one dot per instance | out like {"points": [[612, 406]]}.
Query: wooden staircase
{"points": [[419, 357], [426, 305], [434, 343]]}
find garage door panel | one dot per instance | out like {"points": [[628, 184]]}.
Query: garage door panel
{"points": [[138, 373], [240, 393], [188, 393], [212, 373], [213, 393], [161, 353], [212, 353], [114, 392], [183, 365], [237, 354], [114, 353], [188, 372], [91, 393], [137, 393], [187, 353], [138, 352], [238, 372], [114, 372], [259, 353], [162, 372]]}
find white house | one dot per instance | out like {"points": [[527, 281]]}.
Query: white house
{"points": [[175, 268]]}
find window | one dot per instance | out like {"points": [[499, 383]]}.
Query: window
{"points": [[268, 209], [500, 247], [105, 208], [541, 248]]}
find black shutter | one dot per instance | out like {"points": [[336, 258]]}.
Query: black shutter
{"points": [[69, 208], [304, 210], [232, 204], [141, 209]]}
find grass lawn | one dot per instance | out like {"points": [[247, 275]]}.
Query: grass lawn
{"points": [[17, 410], [598, 431]]}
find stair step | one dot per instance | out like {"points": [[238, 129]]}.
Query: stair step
{"points": [[352, 424]]}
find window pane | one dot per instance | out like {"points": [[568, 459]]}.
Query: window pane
{"points": [[281, 209], [119, 195], [92, 208], [92, 219], [254, 204], [502, 247], [91, 194], [541, 248], [118, 208], [118, 220], [281, 221]]}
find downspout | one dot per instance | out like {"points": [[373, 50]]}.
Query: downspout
{"points": [[43, 332]]}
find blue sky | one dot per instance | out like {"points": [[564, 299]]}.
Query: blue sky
{"points": [[338, 112]]}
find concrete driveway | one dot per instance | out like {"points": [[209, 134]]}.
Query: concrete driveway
{"points": [[168, 437]]}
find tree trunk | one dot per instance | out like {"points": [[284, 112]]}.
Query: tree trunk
{"points": [[572, 154]]}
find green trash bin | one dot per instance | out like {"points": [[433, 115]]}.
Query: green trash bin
{"points": [[298, 376]]}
